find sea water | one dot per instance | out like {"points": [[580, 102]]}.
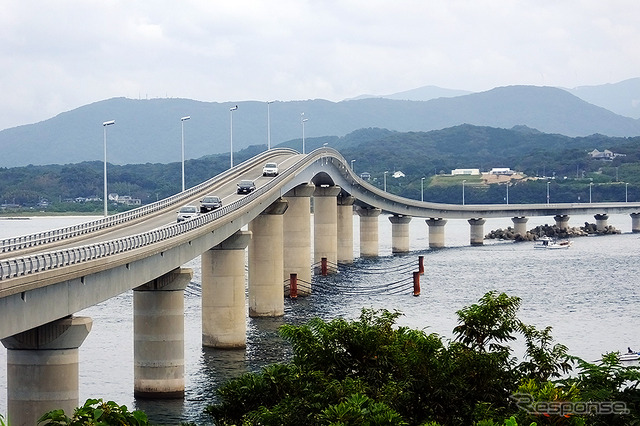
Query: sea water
{"points": [[588, 293]]}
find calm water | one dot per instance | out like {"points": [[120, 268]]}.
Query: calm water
{"points": [[589, 294]]}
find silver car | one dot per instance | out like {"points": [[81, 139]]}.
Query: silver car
{"points": [[187, 212]]}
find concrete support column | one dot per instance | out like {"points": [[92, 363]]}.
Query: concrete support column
{"points": [[42, 369], [400, 233], [562, 221], [520, 225], [224, 323], [325, 227], [601, 221], [635, 222], [436, 232], [297, 236], [476, 231], [345, 229], [266, 262], [158, 336], [368, 231]]}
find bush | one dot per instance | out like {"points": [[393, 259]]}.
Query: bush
{"points": [[96, 412]]}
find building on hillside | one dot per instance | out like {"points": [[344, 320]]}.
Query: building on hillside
{"points": [[604, 155], [127, 200], [471, 172], [397, 174], [506, 171]]}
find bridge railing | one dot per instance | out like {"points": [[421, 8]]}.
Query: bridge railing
{"points": [[54, 235]]}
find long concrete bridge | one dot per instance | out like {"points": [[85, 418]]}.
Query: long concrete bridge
{"points": [[46, 278]]}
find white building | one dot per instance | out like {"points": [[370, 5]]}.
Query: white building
{"points": [[501, 171], [472, 172]]}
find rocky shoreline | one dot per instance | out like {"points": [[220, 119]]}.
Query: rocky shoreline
{"points": [[550, 231]]}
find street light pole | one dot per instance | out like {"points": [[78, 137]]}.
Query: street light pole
{"points": [[507, 193], [104, 125], [385, 180], [352, 161], [231, 130], [303, 120], [182, 120], [269, 125], [548, 183], [463, 191], [422, 189], [590, 186], [626, 192]]}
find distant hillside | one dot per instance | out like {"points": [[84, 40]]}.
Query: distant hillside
{"points": [[375, 150], [425, 93], [622, 98], [466, 146], [148, 131]]}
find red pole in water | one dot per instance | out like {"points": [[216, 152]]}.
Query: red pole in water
{"points": [[416, 284], [293, 286], [421, 265], [323, 267]]}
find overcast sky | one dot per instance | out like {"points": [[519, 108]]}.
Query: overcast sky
{"points": [[59, 55]]}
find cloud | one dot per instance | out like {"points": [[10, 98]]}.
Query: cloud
{"points": [[57, 56]]}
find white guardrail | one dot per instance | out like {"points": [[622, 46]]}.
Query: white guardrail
{"points": [[30, 264]]}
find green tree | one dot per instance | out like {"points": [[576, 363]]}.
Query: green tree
{"points": [[96, 412]]}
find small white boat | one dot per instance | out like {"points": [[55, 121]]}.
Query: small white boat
{"points": [[629, 356], [551, 243]]}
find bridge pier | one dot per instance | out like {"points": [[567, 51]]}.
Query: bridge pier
{"points": [[42, 369], [400, 233], [601, 221], [520, 225], [266, 262], [368, 231], [158, 336], [297, 236], [325, 227], [476, 231], [436, 232], [345, 229], [224, 323], [562, 221], [635, 222]]}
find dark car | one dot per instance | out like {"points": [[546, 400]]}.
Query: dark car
{"points": [[246, 186], [209, 203]]}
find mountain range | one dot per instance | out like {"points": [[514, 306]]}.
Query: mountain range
{"points": [[149, 131]]}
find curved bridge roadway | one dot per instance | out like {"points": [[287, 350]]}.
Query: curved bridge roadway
{"points": [[50, 275]]}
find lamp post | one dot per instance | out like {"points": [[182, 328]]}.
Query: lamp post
{"points": [[231, 129], [385, 180], [182, 120], [352, 161], [548, 183], [463, 191], [626, 192], [590, 186], [422, 189], [269, 125], [104, 125], [302, 121], [507, 193]]}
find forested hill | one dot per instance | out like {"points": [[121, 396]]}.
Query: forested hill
{"points": [[416, 154], [149, 131]]}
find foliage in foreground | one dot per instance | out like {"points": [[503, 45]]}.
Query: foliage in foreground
{"points": [[372, 372], [96, 412]]}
